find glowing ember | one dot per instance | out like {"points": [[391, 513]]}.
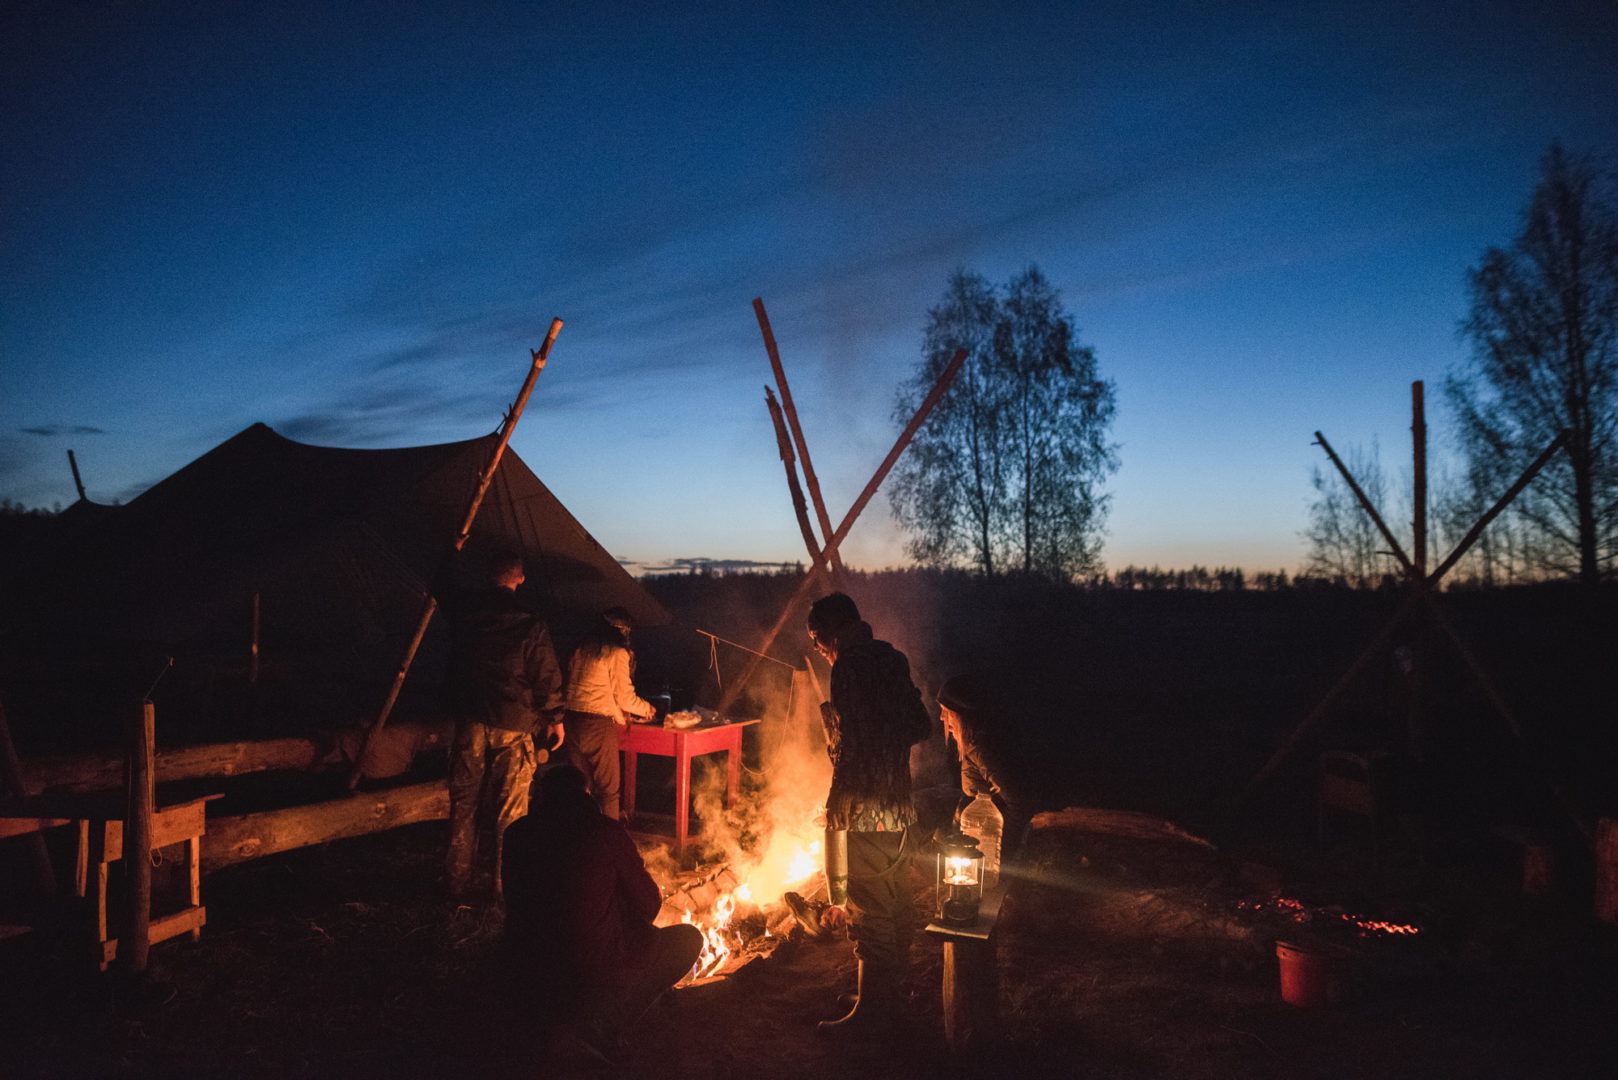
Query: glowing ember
{"points": [[1300, 912]]}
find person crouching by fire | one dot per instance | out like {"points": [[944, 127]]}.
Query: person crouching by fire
{"points": [[580, 911], [875, 715], [601, 702]]}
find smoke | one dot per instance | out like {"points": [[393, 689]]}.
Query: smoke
{"points": [[766, 836]]}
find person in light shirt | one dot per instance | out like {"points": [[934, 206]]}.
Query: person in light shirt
{"points": [[601, 702]]}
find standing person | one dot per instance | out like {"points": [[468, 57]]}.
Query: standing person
{"points": [[875, 715], [579, 917], [601, 702], [504, 685]]}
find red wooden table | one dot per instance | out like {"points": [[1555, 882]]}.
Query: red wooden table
{"points": [[682, 744]]}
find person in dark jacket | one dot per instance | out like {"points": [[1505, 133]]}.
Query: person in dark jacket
{"points": [[580, 911], [504, 686], [875, 715]]}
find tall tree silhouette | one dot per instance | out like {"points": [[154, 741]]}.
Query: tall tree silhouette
{"points": [[1544, 331], [1007, 474]]}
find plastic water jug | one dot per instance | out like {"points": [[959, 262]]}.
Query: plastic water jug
{"points": [[981, 820]]}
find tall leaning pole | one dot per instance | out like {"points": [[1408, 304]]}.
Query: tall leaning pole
{"points": [[429, 605]]}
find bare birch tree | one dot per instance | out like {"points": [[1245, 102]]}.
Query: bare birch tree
{"points": [[1007, 473], [1544, 331]]}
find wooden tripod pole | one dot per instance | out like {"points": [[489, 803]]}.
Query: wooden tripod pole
{"points": [[816, 557], [78, 483], [810, 579], [798, 440], [430, 604], [1421, 590]]}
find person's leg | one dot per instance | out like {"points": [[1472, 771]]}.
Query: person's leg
{"points": [[466, 766], [880, 923], [511, 762], [592, 743]]}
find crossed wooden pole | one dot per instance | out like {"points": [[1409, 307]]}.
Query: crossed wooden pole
{"points": [[1421, 595], [429, 606], [824, 561]]}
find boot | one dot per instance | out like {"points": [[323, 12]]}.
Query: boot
{"points": [[876, 1005]]}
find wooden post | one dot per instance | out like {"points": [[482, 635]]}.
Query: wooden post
{"points": [[1418, 442], [802, 444], [252, 648], [816, 557], [1416, 572], [937, 392], [970, 994], [1606, 863], [430, 604], [12, 782], [138, 842]]}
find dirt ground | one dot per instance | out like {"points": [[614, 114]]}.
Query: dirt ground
{"points": [[1120, 955]]}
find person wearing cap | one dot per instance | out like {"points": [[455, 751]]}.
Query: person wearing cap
{"points": [[875, 715], [503, 686], [977, 718], [601, 702]]}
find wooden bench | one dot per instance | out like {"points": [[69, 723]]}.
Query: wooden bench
{"points": [[971, 990], [100, 842]]}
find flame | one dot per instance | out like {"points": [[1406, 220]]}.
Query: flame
{"points": [[720, 941]]}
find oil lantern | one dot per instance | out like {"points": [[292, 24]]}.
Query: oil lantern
{"points": [[960, 879]]}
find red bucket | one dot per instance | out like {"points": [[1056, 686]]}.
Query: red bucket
{"points": [[1309, 977]]}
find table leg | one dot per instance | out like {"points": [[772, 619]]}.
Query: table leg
{"points": [[733, 769], [627, 798], [682, 792]]}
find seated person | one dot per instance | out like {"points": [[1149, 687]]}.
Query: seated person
{"points": [[978, 719], [579, 911]]}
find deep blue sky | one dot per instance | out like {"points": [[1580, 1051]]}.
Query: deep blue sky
{"points": [[352, 221]]}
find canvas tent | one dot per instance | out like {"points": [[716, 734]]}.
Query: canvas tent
{"points": [[338, 545]]}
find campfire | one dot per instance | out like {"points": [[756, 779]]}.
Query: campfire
{"points": [[752, 853], [741, 918]]}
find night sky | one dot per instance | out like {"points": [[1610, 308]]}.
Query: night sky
{"points": [[353, 221]]}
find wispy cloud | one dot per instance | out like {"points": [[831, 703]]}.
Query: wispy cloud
{"points": [[374, 415], [50, 430], [703, 564]]}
